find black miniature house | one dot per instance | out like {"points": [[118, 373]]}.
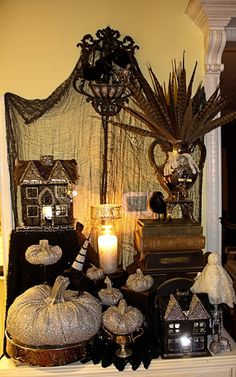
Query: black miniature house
{"points": [[184, 326], [44, 193]]}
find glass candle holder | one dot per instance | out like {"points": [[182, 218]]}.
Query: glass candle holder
{"points": [[105, 216], [108, 249]]}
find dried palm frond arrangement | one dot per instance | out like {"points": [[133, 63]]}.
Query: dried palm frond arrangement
{"points": [[173, 113]]}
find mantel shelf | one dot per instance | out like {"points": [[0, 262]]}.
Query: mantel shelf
{"points": [[222, 365]]}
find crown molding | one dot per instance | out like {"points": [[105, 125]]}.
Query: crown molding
{"points": [[208, 14], [213, 17]]}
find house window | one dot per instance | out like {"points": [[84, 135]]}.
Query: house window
{"points": [[31, 192], [174, 345], [199, 328], [61, 192], [198, 343], [174, 328], [61, 210], [32, 211], [47, 213]]}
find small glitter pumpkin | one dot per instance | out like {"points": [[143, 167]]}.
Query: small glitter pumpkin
{"points": [[139, 282], [122, 319], [94, 273], [53, 316], [109, 296], [43, 253]]}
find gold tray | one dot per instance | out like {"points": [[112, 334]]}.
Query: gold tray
{"points": [[48, 356]]}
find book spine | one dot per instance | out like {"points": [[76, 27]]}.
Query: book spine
{"points": [[152, 244], [166, 231]]}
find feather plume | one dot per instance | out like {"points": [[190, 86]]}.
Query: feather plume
{"points": [[181, 95], [150, 103], [136, 130], [190, 85], [212, 125], [170, 111]]}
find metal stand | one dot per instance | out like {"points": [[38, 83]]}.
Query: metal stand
{"points": [[186, 206], [219, 343]]}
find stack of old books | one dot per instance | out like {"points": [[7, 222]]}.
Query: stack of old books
{"points": [[176, 246]]}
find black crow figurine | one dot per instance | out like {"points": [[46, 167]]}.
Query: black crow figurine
{"points": [[157, 204]]}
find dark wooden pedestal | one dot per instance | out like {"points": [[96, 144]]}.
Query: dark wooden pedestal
{"points": [[23, 275]]}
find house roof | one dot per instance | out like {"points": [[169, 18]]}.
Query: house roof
{"points": [[38, 172], [196, 310]]}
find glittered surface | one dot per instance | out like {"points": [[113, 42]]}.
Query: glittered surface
{"points": [[110, 296], [196, 310], [37, 320], [139, 282], [43, 253], [122, 320], [94, 273]]}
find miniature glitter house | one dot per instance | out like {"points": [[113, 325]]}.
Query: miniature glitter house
{"points": [[44, 193], [184, 326]]}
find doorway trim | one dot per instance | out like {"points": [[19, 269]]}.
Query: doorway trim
{"points": [[213, 17]]}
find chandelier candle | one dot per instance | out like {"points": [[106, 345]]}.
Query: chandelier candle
{"points": [[108, 250]]}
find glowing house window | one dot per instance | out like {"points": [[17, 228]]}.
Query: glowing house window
{"points": [[61, 192], [61, 211]]}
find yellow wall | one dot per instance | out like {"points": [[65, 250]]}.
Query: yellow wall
{"points": [[38, 38]]}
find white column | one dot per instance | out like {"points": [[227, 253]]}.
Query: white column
{"points": [[215, 40], [212, 17]]}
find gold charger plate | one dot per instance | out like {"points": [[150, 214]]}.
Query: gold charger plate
{"points": [[47, 356]]}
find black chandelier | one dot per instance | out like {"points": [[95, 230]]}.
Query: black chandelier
{"points": [[106, 65]]}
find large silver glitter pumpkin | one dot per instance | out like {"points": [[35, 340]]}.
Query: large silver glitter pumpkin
{"points": [[53, 316]]}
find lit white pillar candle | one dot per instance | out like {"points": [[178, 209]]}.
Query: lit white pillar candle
{"points": [[107, 250]]}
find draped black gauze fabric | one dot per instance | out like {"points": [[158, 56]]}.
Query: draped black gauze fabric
{"points": [[66, 126]]}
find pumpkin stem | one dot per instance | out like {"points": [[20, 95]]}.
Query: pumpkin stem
{"points": [[58, 290], [108, 283], [139, 273], [44, 244], [95, 268], [122, 306]]}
